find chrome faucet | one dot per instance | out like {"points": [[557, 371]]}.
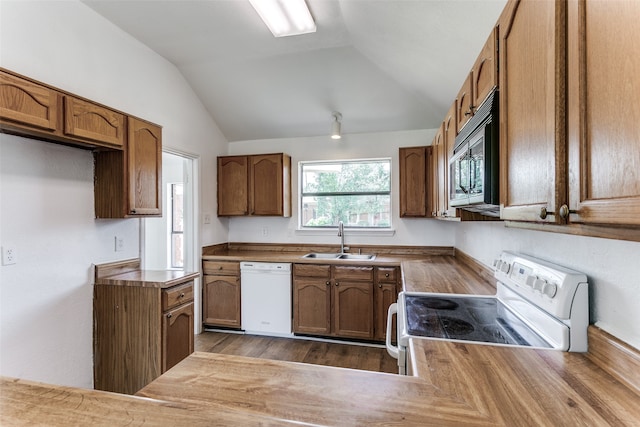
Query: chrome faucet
{"points": [[341, 235]]}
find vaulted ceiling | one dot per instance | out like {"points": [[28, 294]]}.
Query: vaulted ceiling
{"points": [[386, 65]]}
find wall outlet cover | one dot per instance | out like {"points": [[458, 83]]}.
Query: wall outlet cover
{"points": [[9, 255]]}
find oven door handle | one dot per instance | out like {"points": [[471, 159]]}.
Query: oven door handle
{"points": [[391, 349]]}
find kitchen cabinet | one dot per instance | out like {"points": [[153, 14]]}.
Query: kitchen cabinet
{"points": [[532, 122], [603, 114], [436, 182], [257, 185], [28, 104], [221, 294], [415, 176], [464, 103], [386, 293], [333, 300], [485, 70], [88, 121], [569, 154], [129, 183], [139, 333]]}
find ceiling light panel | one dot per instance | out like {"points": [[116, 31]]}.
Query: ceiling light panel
{"points": [[285, 17]]}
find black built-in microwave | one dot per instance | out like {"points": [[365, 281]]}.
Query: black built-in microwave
{"points": [[473, 168]]}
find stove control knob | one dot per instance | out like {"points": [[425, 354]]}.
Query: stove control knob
{"points": [[505, 267], [550, 290], [530, 280], [538, 284]]}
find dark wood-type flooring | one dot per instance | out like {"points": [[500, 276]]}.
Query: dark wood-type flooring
{"points": [[298, 350]]}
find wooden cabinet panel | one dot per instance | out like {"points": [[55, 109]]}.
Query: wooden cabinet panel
{"points": [[386, 275], [485, 70], [221, 268], [385, 294], [28, 103], [353, 309], [415, 168], [312, 270], [352, 273], [269, 185], [221, 301], [144, 153], [254, 185], [532, 99], [177, 335], [85, 120], [464, 103], [311, 306], [603, 113], [233, 185], [135, 339], [446, 153]]}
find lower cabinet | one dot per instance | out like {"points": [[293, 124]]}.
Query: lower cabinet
{"points": [[221, 294], [139, 333], [333, 300], [386, 293]]}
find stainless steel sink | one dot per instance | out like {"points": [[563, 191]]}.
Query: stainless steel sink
{"points": [[357, 256], [319, 255]]}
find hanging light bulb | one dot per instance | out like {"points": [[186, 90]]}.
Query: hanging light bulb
{"points": [[336, 128]]}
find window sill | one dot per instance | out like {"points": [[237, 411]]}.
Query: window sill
{"points": [[348, 231]]}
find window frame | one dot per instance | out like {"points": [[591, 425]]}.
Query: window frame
{"points": [[172, 229], [301, 195]]}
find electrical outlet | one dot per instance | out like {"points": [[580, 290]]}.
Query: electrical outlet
{"points": [[9, 255], [207, 218], [265, 231], [119, 244]]}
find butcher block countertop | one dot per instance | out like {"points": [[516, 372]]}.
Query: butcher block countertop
{"points": [[454, 384]]}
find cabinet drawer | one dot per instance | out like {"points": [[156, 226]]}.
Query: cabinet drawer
{"points": [[224, 268], [312, 270], [353, 273], [386, 275], [177, 295], [89, 121]]}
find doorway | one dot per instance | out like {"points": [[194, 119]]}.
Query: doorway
{"points": [[171, 242]]}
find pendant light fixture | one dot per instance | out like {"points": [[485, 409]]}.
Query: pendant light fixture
{"points": [[336, 128]]}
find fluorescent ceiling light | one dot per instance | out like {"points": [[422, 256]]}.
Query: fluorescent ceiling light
{"points": [[285, 17]]}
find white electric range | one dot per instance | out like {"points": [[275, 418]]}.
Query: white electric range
{"points": [[538, 304]]}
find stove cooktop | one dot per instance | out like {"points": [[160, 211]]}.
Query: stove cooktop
{"points": [[467, 318]]}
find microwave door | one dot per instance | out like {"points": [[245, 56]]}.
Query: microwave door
{"points": [[476, 169], [459, 182]]}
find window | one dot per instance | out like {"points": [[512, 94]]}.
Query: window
{"points": [[356, 192], [177, 226]]}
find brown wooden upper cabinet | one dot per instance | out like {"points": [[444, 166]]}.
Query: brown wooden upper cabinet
{"points": [[86, 120], [254, 185], [26, 103], [437, 182], [603, 112], [415, 174], [574, 165], [464, 102], [129, 183]]}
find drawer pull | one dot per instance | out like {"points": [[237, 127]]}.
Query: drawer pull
{"points": [[386, 275], [182, 295], [169, 316]]}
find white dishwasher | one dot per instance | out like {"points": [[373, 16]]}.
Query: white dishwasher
{"points": [[266, 298]]}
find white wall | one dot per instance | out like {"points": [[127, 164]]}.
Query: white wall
{"points": [[408, 231], [610, 266], [46, 209]]}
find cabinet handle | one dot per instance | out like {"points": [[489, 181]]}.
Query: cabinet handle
{"points": [[220, 268], [133, 211], [337, 283], [182, 295], [169, 316], [386, 275], [564, 212], [328, 283], [380, 285]]}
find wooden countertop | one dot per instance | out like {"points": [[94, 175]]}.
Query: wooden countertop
{"points": [[128, 273], [455, 383]]}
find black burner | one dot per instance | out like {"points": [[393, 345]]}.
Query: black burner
{"points": [[453, 326], [440, 303]]}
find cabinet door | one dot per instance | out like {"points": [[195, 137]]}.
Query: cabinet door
{"points": [[311, 306], [221, 301], [438, 175], [27, 103], [604, 117], [485, 70], [385, 295], [144, 153], [233, 185], [266, 185], [443, 163], [464, 103], [413, 181], [353, 309], [177, 335], [92, 122], [532, 124]]}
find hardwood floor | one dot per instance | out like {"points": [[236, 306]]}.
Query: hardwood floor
{"points": [[298, 350]]}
